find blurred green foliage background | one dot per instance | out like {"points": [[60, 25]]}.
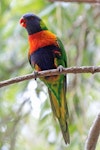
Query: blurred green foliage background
{"points": [[26, 120]]}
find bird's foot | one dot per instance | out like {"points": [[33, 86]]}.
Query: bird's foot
{"points": [[60, 68], [35, 74]]}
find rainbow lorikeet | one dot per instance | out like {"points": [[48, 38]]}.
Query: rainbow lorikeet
{"points": [[46, 52]]}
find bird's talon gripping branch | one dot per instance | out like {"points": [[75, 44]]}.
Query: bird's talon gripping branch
{"points": [[60, 68], [35, 74]]}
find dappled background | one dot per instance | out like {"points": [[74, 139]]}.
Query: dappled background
{"points": [[26, 120]]}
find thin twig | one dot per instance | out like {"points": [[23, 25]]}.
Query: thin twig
{"points": [[79, 1], [93, 134], [74, 70]]}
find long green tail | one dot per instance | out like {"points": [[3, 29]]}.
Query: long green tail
{"points": [[61, 113]]}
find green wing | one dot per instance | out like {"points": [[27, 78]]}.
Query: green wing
{"points": [[63, 53], [57, 93]]}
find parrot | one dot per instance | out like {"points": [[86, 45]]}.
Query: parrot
{"points": [[46, 51]]}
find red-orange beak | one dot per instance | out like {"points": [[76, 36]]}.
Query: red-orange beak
{"points": [[23, 22]]}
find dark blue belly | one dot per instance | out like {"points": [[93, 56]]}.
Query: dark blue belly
{"points": [[44, 57]]}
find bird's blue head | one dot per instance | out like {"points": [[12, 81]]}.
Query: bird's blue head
{"points": [[32, 23]]}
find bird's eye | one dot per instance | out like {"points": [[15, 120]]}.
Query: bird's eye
{"points": [[23, 22]]}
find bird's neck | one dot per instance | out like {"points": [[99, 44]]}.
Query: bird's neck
{"points": [[41, 39]]}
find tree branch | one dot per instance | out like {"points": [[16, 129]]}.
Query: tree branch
{"points": [[84, 69], [79, 1], [93, 134]]}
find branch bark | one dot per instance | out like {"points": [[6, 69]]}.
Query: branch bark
{"points": [[93, 134], [74, 70], [79, 1]]}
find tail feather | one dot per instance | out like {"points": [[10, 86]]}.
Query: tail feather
{"points": [[61, 113], [65, 131]]}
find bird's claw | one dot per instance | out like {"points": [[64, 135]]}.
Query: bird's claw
{"points": [[35, 74], [60, 68]]}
